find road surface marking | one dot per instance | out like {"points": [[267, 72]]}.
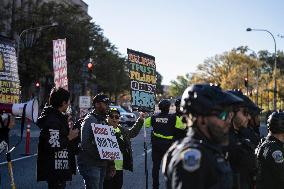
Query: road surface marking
{"points": [[148, 151], [17, 159]]}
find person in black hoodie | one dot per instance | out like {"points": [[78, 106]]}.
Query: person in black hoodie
{"points": [[123, 136], [56, 159]]}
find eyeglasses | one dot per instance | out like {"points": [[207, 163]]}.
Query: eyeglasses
{"points": [[114, 116], [223, 115]]}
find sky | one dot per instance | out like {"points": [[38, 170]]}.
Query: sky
{"points": [[181, 34]]}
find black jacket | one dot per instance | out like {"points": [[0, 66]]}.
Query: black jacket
{"points": [[125, 144], [270, 164], [56, 157], [242, 159], [195, 162]]}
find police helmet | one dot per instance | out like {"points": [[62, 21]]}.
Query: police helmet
{"points": [[202, 99], [255, 111], [275, 122], [164, 105], [177, 102], [246, 101]]}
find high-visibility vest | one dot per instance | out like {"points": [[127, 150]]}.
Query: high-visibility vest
{"points": [[164, 125]]}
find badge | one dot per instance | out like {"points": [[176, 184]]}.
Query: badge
{"points": [[191, 159], [278, 156]]}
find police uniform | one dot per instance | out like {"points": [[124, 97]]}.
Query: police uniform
{"points": [[164, 127], [242, 160], [241, 150], [196, 163], [270, 164]]}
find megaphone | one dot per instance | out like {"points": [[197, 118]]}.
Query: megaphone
{"points": [[17, 109]]}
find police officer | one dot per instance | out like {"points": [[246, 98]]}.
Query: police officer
{"points": [[270, 155], [197, 161], [252, 132], [177, 104], [179, 133], [164, 126], [241, 148]]}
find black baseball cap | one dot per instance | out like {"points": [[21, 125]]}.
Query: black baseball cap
{"points": [[101, 98]]}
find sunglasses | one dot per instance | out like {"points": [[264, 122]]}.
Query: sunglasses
{"points": [[114, 116], [222, 115]]}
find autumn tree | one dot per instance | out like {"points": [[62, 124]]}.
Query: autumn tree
{"points": [[179, 85]]}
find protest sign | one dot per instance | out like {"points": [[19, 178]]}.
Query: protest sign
{"points": [[84, 105], [9, 77], [106, 142], [60, 63], [142, 72], [84, 102]]}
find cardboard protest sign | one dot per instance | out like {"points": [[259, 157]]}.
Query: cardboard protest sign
{"points": [[84, 105], [142, 71], [9, 77], [84, 102], [106, 142], [60, 63]]}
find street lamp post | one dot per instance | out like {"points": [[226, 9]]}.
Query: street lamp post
{"points": [[29, 29], [275, 62]]}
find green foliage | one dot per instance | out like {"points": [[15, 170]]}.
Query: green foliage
{"points": [[84, 38], [159, 87], [177, 87], [230, 68]]}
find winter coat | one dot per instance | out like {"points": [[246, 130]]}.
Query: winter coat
{"points": [[56, 154], [88, 155]]}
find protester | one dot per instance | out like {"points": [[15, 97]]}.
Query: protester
{"points": [[92, 168], [55, 152], [123, 136], [270, 155], [163, 134], [197, 161], [241, 149], [6, 123]]}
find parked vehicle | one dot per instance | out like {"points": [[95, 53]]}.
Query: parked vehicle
{"points": [[126, 118]]}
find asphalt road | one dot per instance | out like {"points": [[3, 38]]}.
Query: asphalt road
{"points": [[24, 167]]}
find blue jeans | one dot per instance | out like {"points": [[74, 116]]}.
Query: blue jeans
{"points": [[93, 177]]}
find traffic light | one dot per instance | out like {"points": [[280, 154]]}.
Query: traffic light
{"points": [[90, 67], [37, 85], [246, 81]]}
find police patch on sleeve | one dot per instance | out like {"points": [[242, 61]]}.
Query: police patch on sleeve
{"points": [[278, 156], [191, 159]]}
